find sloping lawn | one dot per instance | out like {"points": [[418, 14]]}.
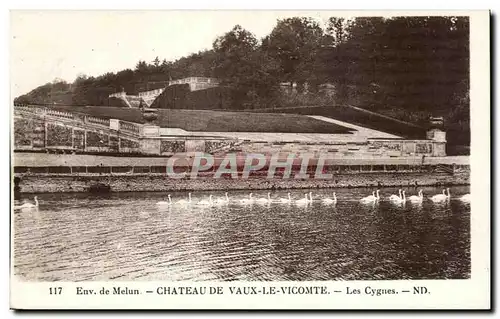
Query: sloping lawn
{"points": [[216, 121], [357, 117]]}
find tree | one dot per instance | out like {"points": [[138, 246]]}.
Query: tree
{"points": [[23, 99], [338, 30], [243, 67], [80, 89], [294, 42], [156, 62], [165, 66], [141, 67]]}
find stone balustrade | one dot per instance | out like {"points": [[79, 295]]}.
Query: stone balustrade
{"points": [[147, 139], [130, 127], [97, 120], [80, 119]]}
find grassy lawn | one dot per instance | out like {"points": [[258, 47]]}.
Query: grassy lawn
{"points": [[216, 121], [357, 117]]}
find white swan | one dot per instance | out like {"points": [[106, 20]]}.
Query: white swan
{"points": [[165, 203], [205, 202], [465, 198], [28, 205], [303, 201], [222, 201], [400, 200], [286, 200], [395, 197], [328, 201], [265, 200], [415, 198], [371, 198], [247, 201], [183, 201], [441, 197]]}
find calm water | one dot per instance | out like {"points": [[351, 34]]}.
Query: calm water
{"points": [[75, 237]]}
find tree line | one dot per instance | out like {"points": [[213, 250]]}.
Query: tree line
{"points": [[406, 67]]}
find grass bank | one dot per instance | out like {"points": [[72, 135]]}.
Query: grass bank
{"points": [[217, 121]]}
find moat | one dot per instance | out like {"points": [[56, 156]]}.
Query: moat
{"points": [[125, 236]]}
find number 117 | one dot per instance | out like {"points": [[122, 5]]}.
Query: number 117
{"points": [[55, 290]]}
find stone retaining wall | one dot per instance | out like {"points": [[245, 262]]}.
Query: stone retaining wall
{"points": [[65, 184]]}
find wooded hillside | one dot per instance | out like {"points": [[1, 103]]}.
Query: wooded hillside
{"points": [[409, 68]]}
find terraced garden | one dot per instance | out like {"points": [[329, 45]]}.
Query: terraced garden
{"points": [[216, 121]]}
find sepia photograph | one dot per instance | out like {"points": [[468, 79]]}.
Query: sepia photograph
{"points": [[221, 146]]}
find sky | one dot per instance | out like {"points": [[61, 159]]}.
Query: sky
{"points": [[45, 45]]}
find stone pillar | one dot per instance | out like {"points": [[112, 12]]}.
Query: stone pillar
{"points": [[438, 149], [150, 131], [45, 137], [114, 124], [85, 139], [436, 135], [150, 145], [438, 138]]}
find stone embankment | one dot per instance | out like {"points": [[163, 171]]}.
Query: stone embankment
{"points": [[160, 183]]}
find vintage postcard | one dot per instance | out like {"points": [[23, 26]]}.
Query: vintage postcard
{"points": [[250, 160]]}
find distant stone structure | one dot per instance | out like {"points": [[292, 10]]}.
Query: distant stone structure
{"points": [[149, 96], [195, 83], [437, 122], [129, 100]]}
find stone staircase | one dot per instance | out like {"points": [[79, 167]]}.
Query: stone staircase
{"points": [[149, 99], [440, 168]]}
